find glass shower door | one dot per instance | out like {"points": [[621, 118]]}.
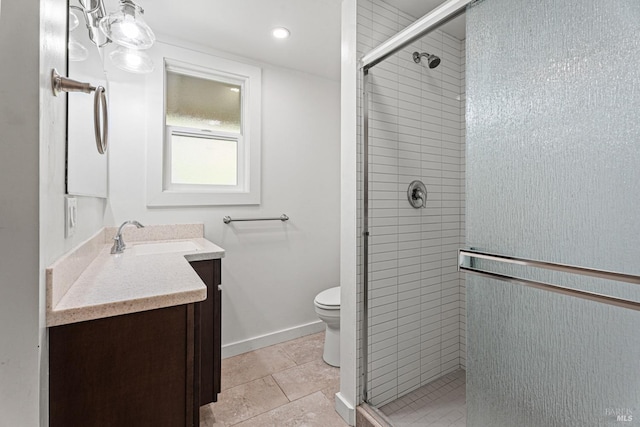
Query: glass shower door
{"points": [[553, 156]]}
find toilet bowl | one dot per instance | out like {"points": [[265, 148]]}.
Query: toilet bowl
{"points": [[327, 305]]}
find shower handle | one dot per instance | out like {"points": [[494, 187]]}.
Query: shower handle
{"points": [[417, 194], [419, 198]]}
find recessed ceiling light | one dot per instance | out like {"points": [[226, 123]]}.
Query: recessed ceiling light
{"points": [[281, 33]]}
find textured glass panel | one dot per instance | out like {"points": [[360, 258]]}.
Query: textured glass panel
{"points": [[552, 174], [204, 161], [203, 103]]}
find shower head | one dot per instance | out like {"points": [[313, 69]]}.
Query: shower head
{"points": [[432, 60]]}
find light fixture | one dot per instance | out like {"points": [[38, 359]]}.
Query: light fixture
{"points": [[124, 27], [127, 27], [132, 60], [235, 89], [77, 52], [92, 12], [281, 33], [73, 21]]}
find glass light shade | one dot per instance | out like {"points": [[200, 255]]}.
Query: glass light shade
{"points": [[127, 28], [73, 21], [132, 60], [77, 52]]}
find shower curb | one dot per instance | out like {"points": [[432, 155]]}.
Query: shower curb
{"points": [[366, 416]]}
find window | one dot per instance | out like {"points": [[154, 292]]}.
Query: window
{"points": [[197, 159], [209, 149], [204, 140]]}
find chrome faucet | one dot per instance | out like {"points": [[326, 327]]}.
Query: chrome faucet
{"points": [[118, 242]]}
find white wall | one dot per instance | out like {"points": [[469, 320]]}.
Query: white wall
{"points": [[19, 249], [347, 399], [272, 271]]}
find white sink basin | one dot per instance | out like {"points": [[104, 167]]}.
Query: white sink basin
{"points": [[163, 247]]}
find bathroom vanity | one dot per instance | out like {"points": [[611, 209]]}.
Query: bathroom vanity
{"points": [[134, 338]]}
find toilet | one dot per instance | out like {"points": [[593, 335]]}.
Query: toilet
{"points": [[327, 305]]}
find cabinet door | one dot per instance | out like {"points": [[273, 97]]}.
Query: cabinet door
{"points": [[210, 324], [130, 370]]}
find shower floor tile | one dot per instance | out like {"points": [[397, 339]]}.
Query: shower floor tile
{"points": [[441, 403]]}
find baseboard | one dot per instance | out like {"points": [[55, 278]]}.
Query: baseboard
{"points": [[345, 410], [239, 347]]}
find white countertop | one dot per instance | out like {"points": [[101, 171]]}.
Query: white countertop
{"points": [[147, 275]]}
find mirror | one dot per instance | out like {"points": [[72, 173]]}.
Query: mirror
{"points": [[86, 168]]}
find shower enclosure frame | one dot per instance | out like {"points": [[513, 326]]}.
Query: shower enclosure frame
{"points": [[430, 22]]}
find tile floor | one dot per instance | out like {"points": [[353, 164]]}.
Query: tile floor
{"points": [[285, 385], [441, 403]]}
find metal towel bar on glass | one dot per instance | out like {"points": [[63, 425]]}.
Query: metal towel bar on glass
{"points": [[228, 219], [591, 272]]}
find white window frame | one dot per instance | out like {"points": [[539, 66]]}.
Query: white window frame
{"points": [[160, 191]]}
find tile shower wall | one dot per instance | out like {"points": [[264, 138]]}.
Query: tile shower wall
{"points": [[416, 302]]}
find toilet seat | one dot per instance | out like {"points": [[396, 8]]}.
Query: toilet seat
{"points": [[328, 299]]}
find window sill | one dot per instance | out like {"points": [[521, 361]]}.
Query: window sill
{"points": [[182, 198]]}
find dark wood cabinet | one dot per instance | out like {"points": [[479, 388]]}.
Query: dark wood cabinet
{"points": [[151, 368], [137, 369], [210, 330]]}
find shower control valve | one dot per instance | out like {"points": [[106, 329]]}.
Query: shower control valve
{"points": [[417, 194]]}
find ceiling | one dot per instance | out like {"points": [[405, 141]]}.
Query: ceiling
{"points": [[419, 8], [243, 28]]}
